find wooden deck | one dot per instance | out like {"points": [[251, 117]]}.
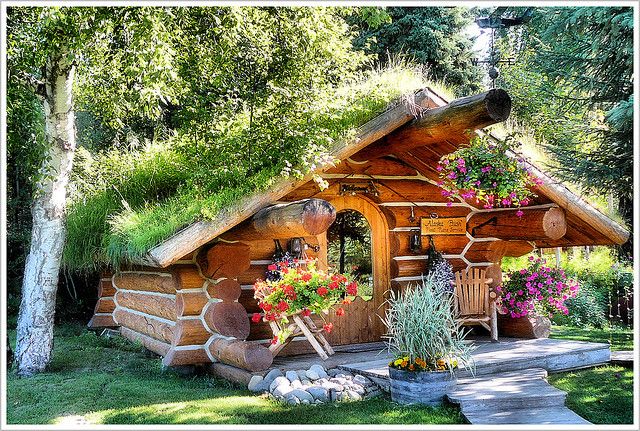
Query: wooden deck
{"points": [[508, 354]]}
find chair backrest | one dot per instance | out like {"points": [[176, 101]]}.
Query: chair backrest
{"points": [[472, 292]]}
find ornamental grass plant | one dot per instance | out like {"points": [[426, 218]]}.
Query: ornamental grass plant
{"points": [[422, 332]]}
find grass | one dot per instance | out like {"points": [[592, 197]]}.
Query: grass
{"points": [[620, 338], [602, 395], [111, 381], [126, 202]]}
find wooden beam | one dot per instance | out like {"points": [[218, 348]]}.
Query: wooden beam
{"points": [[201, 232], [302, 218], [534, 224], [225, 260], [468, 113]]}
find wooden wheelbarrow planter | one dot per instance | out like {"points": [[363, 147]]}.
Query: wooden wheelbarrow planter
{"points": [[301, 326]]}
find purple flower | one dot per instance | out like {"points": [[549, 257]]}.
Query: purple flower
{"points": [[439, 167], [477, 183], [485, 169], [519, 213], [494, 185], [452, 175], [506, 202], [449, 204]]}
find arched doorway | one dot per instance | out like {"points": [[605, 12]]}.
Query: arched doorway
{"points": [[360, 323]]}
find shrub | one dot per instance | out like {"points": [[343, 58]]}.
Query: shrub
{"points": [[422, 332], [584, 310]]}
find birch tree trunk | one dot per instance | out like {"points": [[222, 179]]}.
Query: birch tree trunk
{"points": [[35, 321]]}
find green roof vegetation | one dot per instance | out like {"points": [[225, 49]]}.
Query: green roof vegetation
{"points": [[124, 202]]}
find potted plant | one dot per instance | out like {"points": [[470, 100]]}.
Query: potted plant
{"points": [[485, 171], [530, 296], [300, 290], [426, 344]]}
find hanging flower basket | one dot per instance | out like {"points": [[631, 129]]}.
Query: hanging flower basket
{"points": [[484, 171], [301, 291]]}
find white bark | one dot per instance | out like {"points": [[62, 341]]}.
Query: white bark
{"points": [[35, 321]]}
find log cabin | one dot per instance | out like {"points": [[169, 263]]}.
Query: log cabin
{"points": [[190, 298]]}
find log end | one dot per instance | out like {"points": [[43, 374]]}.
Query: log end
{"points": [[317, 216], [229, 319], [498, 104], [554, 223]]}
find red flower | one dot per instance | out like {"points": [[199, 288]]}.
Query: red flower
{"points": [[283, 306], [265, 306], [340, 311], [306, 277], [270, 316], [272, 267], [322, 291], [256, 317], [306, 312], [352, 289], [333, 285], [274, 340], [328, 327]]}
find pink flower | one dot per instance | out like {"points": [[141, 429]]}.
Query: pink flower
{"points": [[452, 175], [449, 204], [519, 213], [439, 167], [506, 202], [485, 169]]}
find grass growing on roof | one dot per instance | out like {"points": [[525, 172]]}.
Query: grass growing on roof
{"points": [[126, 202]]}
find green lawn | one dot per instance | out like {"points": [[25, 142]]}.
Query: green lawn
{"points": [[111, 381], [620, 338], [602, 395]]}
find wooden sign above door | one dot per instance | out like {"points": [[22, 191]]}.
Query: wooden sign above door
{"points": [[443, 226]]}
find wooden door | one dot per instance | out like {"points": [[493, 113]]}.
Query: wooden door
{"points": [[361, 322]]}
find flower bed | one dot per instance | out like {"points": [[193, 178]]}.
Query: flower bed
{"points": [[484, 171], [536, 289]]}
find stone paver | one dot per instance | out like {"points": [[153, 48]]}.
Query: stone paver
{"points": [[624, 358]]}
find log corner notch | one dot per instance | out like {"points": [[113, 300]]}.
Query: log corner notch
{"points": [[434, 125], [307, 217]]}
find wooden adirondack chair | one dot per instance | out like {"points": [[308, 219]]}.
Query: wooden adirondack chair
{"points": [[474, 301]]}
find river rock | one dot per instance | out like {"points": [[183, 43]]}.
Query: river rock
{"points": [[268, 379], [319, 393], [254, 383], [301, 395], [351, 395], [277, 382], [292, 376], [302, 375], [282, 391], [333, 372], [361, 380], [312, 375]]}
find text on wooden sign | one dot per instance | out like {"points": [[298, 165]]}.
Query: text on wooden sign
{"points": [[443, 226]]}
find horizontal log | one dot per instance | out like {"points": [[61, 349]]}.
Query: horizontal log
{"points": [[155, 305], [534, 224], [402, 214], [249, 356], [228, 318], [144, 324], [102, 321], [190, 331], [190, 303], [295, 219], [408, 268], [467, 113], [149, 343], [226, 289], [105, 305], [229, 373], [162, 283], [224, 260], [493, 251], [449, 244], [249, 302], [106, 288], [252, 274], [187, 277], [386, 166], [176, 357]]}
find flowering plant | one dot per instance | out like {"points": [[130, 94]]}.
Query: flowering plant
{"points": [[536, 288], [300, 290], [484, 171], [422, 332]]}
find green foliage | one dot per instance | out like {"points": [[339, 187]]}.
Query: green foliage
{"points": [[420, 324], [125, 202], [602, 395], [111, 381], [431, 36], [574, 84]]}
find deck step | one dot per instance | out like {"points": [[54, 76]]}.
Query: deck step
{"points": [[544, 416], [526, 389]]}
